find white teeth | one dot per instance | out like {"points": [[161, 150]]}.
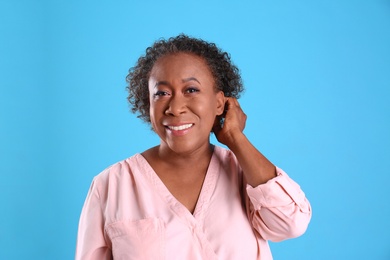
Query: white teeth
{"points": [[180, 127]]}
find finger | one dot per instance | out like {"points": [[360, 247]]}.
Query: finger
{"points": [[237, 104], [231, 102], [234, 104]]}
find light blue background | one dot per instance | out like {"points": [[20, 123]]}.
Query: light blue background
{"points": [[317, 75]]}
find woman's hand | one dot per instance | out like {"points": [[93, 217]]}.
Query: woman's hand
{"points": [[257, 169], [233, 125]]}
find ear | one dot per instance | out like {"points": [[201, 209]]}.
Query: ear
{"points": [[220, 102]]}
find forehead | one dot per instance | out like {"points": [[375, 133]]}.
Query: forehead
{"points": [[181, 64]]}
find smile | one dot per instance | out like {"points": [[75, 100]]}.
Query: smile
{"points": [[180, 127]]}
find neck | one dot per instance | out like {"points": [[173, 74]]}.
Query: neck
{"points": [[183, 159]]}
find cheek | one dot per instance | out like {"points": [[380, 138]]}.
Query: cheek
{"points": [[153, 123], [208, 110], [155, 114], [152, 115]]}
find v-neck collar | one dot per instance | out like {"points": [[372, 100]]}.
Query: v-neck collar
{"points": [[206, 192]]}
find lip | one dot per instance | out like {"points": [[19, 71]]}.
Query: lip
{"points": [[179, 129]]}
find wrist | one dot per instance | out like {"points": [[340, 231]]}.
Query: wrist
{"points": [[236, 140]]}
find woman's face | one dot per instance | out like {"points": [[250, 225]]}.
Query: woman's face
{"points": [[183, 102]]}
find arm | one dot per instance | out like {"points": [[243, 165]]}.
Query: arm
{"points": [[91, 242], [278, 208], [257, 169]]}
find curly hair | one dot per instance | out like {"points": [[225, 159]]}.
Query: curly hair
{"points": [[226, 75]]}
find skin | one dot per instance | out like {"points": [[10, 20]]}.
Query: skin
{"points": [[184, 107]]}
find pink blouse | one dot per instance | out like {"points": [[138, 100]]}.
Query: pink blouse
{"points": [[130, 214]]}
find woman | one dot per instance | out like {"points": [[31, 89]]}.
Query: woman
{"points": [[186, 198]]}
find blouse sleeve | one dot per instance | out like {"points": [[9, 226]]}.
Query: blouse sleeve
{"points": [[91, 241], [279, 209]]}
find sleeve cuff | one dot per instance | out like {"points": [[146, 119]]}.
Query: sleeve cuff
{"points": [[277, 192]]}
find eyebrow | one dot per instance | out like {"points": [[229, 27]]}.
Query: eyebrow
{"points": [[163, 82], [190, 79], [158, 83]]}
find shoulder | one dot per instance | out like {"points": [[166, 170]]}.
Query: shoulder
{"points": [[221, 151], [117, 171], [226, 158], [224, 154]]}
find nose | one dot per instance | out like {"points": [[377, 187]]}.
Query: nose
{"points": [[176, 105]]}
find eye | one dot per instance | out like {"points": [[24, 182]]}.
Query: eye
{"points": [[160, 93], [191, 90]]}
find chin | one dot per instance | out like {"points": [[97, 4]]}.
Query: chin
{"points": [[185, 147]]}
